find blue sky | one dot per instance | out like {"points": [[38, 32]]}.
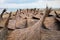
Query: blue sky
{"points": [[20, 1], [29, 3]]}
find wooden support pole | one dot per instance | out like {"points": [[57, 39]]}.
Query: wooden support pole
{"points": [[27, 10], [2, 13], [47, 11], [6, 24]]}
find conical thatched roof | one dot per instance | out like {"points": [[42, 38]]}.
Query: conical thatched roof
{"points": [[50, 23]]}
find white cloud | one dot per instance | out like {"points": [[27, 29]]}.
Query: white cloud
{"points": [[55, 3], [1, 1]]}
